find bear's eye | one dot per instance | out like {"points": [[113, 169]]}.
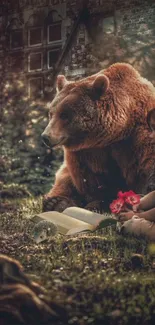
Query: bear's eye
{"points": [[64, 115]]}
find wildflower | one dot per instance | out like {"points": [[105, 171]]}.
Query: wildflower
{"points": [[124, 198], [117, 205], [122, 195], [132, 198]]}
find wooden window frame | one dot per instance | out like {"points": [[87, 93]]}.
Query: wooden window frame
{"points": [[38, 44], [29, 58], [57, 41], [51, 50]]}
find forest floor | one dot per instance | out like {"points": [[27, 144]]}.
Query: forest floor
{"points": [[95, 277]]}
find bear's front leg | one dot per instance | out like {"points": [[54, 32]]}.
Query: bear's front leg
{"points": [[63, 194]]}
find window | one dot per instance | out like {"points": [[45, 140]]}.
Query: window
{"points": [[35, 87], [35, 36], [54, 32], [53, 57], [16, 39], [35, 61], [16, 62]]}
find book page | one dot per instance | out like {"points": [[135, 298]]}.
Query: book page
{"points": [[90, 217], [63, 221]]}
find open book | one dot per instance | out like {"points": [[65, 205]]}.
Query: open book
{"points": [[74, 220]]}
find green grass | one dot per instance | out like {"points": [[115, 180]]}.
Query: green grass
{"points": [[92, 275]]}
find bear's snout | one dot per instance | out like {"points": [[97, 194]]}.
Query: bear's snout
{"points": [[46, 139], [51, 143]]}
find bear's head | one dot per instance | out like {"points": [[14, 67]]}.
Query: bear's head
{"points": [[98, 110]]}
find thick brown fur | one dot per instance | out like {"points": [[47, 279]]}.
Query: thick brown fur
{"points": [[101, 122]]}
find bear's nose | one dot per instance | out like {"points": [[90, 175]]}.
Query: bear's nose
{"points": [[46, 140]]}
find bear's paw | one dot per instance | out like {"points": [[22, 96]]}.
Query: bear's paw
{"points": [[57, 203]]}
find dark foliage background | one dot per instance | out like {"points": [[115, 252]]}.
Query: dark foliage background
{"points": [[24, 159]]}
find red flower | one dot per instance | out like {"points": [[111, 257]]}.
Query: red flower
{"points": [[132, 198], [122, 195], [124, 198], [117, 205]]}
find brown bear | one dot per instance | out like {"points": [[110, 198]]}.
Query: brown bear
{"points": [[101, 123]]}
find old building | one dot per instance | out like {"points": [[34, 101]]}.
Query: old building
{"points": [[40, 38]]}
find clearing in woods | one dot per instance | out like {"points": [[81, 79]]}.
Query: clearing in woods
{"points": [[95, 276]]}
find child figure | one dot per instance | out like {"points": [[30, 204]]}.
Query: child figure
{"points": [[141, 219]]}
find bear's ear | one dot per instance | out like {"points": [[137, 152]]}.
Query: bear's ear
{"points": [[100, 85], [151, 119], [61, 82]]}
